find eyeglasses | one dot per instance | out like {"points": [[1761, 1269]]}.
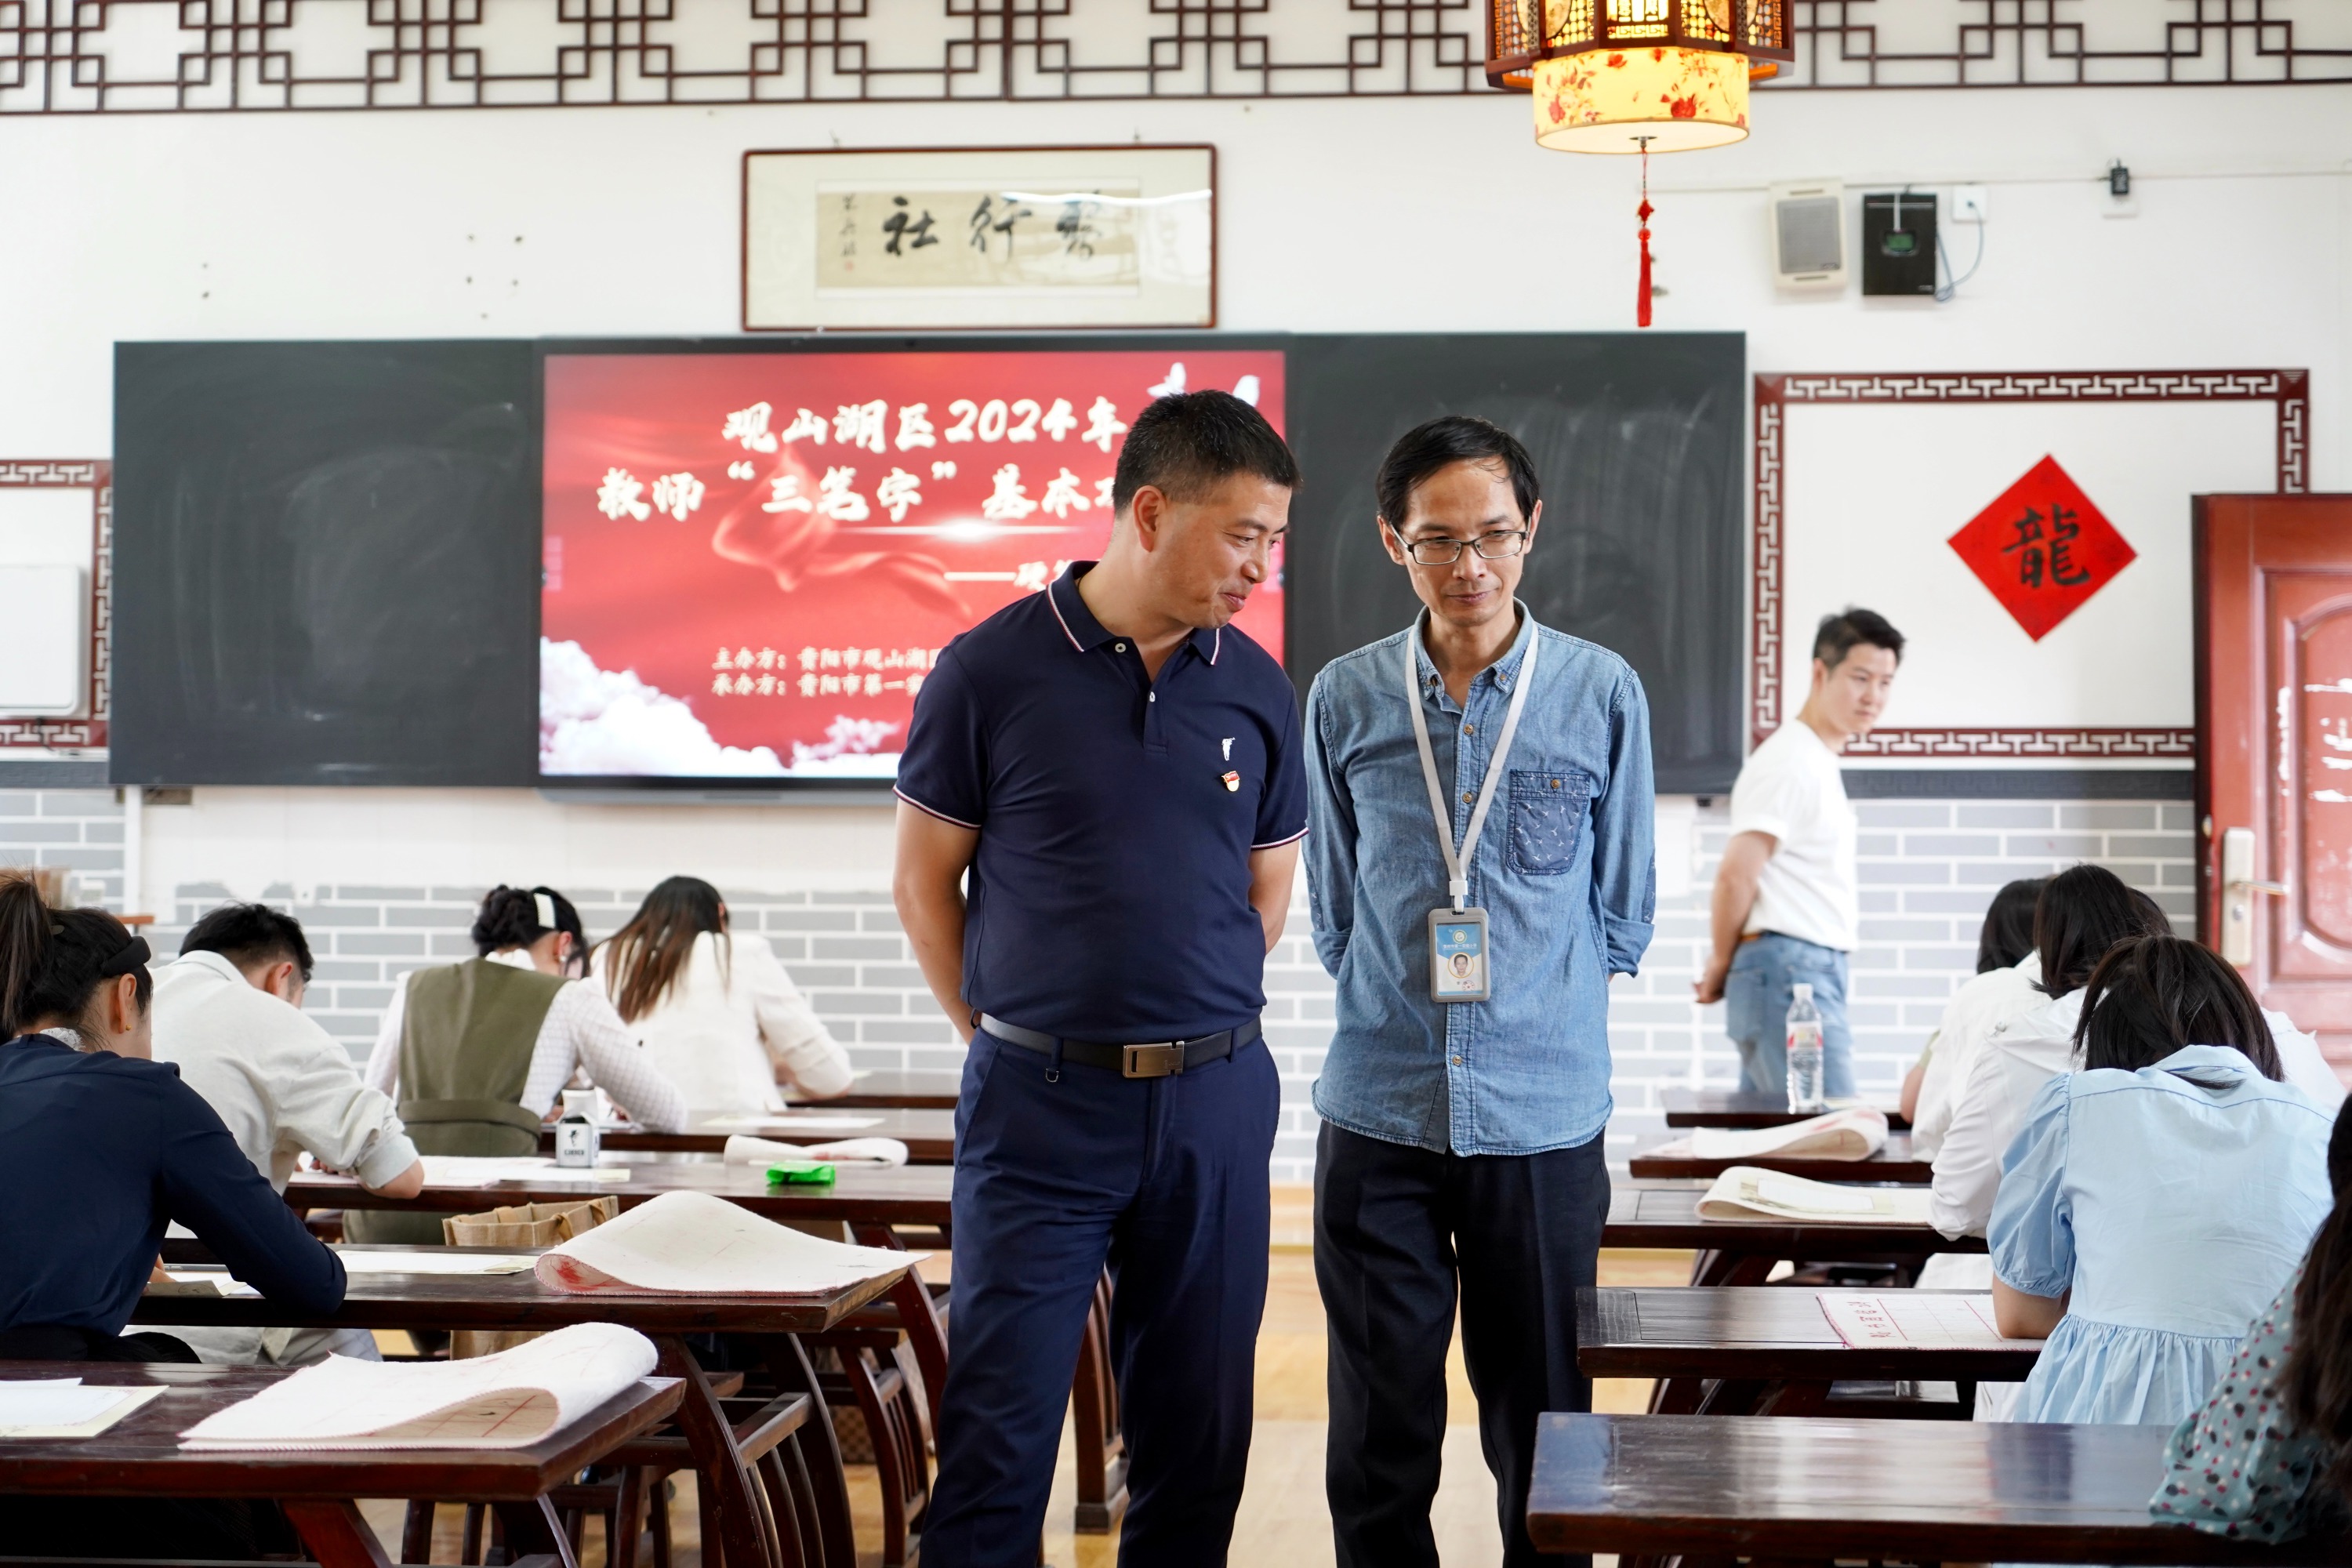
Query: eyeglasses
{"points": [[1441, 551]]}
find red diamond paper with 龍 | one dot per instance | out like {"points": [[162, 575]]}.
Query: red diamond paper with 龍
{"points": [[2043, 548]]}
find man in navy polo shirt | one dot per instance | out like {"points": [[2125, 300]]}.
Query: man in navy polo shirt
{"points": [[1119, 771]]}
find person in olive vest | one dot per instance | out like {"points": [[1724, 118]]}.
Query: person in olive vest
{"points": [[476, 1054]]}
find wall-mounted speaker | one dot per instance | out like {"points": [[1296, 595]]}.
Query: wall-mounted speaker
{"points": [[1809, 236]]}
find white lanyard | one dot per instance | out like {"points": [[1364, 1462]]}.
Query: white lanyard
{"points": [[1457, 863]]}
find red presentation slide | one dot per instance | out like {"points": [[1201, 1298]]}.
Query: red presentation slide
{"points": [[754, 559]]}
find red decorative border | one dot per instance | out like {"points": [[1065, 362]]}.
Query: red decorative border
{"points": [[96, 474], [2289, 389]]}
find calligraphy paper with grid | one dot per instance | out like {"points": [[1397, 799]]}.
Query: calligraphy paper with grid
{"points": [[1918, 1319]]}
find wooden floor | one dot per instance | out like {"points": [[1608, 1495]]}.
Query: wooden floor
{"points": [[1283, 1522]]}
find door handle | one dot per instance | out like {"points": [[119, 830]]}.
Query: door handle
{"points": [[2239, 884]]}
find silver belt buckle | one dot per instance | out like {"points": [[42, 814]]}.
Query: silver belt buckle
{"points": [[1152, 1062]]}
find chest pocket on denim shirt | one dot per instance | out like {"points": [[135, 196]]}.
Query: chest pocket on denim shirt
{"points": [[1547, 812]]}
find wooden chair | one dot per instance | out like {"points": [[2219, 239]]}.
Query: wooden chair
{"points": [[1094, 1409]]}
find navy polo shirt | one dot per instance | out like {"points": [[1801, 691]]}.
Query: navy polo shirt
{"points": [[1110, 897]]}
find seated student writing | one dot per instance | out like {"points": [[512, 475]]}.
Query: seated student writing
{"points": [[475, 1054], [2269, 1456], [2007, 967], [228, 1015], [2081, 913], [715, 1011], [2156, 1196], [100, 1149]]}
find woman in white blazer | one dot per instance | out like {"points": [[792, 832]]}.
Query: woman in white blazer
{"points": [[715, 1011]]}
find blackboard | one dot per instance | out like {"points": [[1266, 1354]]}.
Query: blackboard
{"points": [[326, 564], [327, 555], [1638, 440]]}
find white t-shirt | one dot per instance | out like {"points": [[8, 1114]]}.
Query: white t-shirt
{"points": [[1983, 1003], [1791, 789]]}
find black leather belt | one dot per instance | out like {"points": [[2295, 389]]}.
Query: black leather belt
{"points": [[1161, 1059]]}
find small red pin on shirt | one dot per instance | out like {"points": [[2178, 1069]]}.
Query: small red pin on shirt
{"points": [[1233, 784]]}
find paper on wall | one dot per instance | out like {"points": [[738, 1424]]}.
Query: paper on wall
{"points": [[695, 1244], [745, 1151], [509, 1400], [1922, 1319], [1852, 1134], [65, 1406], [1745, 1193]]}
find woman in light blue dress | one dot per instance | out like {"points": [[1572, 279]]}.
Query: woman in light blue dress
{"points": [[2158, 1196]]}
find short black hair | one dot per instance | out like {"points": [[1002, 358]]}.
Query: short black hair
{"points": [[1840, 632], [1186, 444], [249, 934], [1424, 450]]}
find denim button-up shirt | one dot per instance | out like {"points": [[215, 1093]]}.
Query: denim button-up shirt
{"points": [[1563, 870]]}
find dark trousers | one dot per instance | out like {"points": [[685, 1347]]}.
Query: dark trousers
{"points": [[1395, 1229], [1059, 1171]]}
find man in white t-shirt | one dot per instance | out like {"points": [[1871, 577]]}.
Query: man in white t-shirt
{"points": [[1786, 907], [229, 1014]]}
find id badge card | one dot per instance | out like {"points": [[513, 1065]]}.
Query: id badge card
{"points": [[1457, 955]]}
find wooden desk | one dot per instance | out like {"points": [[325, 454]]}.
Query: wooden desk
{"points": [[520, 1302], [1811, 1489], [867, 1198], [1895, 1162], [1729, 1107], [1767, 1351], [929, 1135], [141, 1455], [889, 1091], [1742, 1252]]}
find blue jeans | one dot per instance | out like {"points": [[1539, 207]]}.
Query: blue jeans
{"points": [[1756, 996]]}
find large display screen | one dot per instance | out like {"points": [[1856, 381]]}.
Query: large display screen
{"points": [[753, 560]]}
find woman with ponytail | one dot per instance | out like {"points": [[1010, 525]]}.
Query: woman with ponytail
{"points": [[100, 1149], [2156, 1195], [2269, 1456], [715, 1011], [475, 1054]]}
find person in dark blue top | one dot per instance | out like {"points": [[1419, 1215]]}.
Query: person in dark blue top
{"points": [[100, 1149], [1119, 770]]}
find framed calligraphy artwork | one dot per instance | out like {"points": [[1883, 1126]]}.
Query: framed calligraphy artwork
{"points": [[985, 238], [2029, 533]]}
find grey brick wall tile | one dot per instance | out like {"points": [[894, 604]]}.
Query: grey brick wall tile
{"points": [[828, 919], [327, 970], [2042, 846], [2151, 846], [892, 948], [79, 802], [382, 942], [99, 832], [436, 917], [856, 897], [84, 860], [2127, 818], [351, 915], [71, 832], [1904, 873], [932, 1030], [843, 1004], [2179, 818], [879, 919], [2018, 816], [832, 976], [371, 895], [19, 802], [1902, 813], [1926, 846]]}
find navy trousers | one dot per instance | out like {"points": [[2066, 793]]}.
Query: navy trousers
{"points": [[1059, 1170], [1395, 1228]]}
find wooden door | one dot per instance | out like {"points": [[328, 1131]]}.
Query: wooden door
{"points": [[2274, 770]]}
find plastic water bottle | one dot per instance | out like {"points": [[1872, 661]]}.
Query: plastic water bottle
{"points": [[577, 1140], [1804, 1053]]}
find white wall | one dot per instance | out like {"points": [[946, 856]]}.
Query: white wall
{"points": [[1411, 215]]}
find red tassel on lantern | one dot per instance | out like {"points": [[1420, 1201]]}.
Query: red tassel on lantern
{"points": [[1641, 303]]}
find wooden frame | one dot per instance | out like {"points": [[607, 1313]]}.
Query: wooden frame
{"points": [[970, 312], [97, 476], [2289, 390]]}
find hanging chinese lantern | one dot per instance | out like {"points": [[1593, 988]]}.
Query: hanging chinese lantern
{"points": [[1636, 76]]}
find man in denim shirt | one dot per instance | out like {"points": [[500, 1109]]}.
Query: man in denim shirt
{"points": [[1461, 1140]]}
